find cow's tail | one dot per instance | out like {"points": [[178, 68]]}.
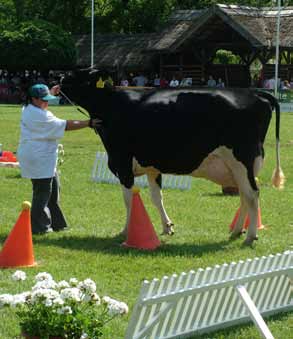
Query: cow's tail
{"points": [[278, 177]]}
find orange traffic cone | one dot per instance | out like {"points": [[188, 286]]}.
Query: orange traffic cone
{"points": [[17, 250], [141, 233], [260, 226]]}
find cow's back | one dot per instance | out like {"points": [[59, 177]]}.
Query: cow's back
{"points": [[174, 124]]}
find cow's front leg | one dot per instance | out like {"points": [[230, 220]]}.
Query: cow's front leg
{"points": [[155, 183], [127, 195]]}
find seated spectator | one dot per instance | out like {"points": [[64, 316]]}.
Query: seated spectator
{"points": [[271, 83], [286, 85], [40, 78], [202, 82], [140, 80], [220, 83], [211, 82], [15, 79], [163, 82], [266, 84], [186, 82], [174, 82], [156, 81], [124, 82]]}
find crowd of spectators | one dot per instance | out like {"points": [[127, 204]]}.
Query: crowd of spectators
{"points": [[141, 80], [14, 85], [269, 83]]}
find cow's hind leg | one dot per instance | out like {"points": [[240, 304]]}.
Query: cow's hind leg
{"points": [[238, 227], [127, 195], [155, 182], [248, 190]]}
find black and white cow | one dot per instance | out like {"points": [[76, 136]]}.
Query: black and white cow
{"points": [[207, 133]]}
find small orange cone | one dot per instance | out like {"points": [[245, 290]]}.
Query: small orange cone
{"points": [[17, 250], [141, 233], [260, 226]]}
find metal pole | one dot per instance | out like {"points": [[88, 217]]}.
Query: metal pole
{"points": [[92, 36], [277, 48]]}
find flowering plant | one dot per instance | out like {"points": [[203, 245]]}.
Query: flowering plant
{"points": [[68, 309]]}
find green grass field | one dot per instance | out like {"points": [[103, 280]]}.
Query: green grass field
{"points": [[96, 215]]}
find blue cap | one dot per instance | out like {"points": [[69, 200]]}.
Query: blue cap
{"points": [[41, 91]]}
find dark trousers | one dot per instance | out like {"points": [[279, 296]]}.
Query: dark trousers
{"points": [[46, 212]]}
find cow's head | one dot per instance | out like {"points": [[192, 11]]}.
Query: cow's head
{"points": [[90, 89]]}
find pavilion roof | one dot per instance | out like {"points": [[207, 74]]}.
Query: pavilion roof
{"points": [[256, 25]]}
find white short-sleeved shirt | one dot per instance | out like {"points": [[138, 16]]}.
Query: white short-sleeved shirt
{"points": [[38, 146]]}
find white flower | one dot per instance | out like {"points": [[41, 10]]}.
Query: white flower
{"points": [[45, 284], [106, 299], [72, 294], [73, 282], [87, 286], [43, 276], [64, 310], [44, 295], [84, 336], [5, 300], [123, 308], [18, 275], [48, 302], [19, 299], [115, 306], [62, 284], [58, 301]]}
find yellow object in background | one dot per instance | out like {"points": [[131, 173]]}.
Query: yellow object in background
{"points": [[100, 83]]}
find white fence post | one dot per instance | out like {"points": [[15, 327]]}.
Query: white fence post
{"points": [[101, 173], [254, 313]]}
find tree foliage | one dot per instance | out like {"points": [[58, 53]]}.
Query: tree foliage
{"points": [[33, 32], [36, 43], [129, 16]]}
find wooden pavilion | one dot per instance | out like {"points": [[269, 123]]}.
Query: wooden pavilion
{"points": [[188, 43]]}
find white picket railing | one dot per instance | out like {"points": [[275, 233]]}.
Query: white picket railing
{"points": [[214, 298], [101, 173]]}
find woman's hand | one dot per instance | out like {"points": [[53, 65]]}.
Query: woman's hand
{"points": [[95, 123]]}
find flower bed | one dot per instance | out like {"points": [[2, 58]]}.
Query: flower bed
{"points": [[65, 309]]}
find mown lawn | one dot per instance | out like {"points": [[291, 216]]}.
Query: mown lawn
{"points": [[96, 215]]}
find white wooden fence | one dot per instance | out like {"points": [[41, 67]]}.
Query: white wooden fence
{"points": [[214, 298], [101, 173]]}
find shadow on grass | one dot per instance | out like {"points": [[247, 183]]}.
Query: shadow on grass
{"points": [[13, 176], [112, 245], [219, 194]]}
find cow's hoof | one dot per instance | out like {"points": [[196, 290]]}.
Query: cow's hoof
{"points": [[235, 235], [249, 241], [168, 229]]}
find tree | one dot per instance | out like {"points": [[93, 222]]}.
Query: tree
{"points": [[36, 43], [70, 15], [7, 14]]}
